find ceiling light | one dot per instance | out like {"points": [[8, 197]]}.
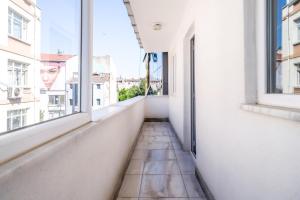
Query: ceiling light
{"points": [[157, 26]]}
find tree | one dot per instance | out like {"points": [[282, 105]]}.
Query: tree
{"points": [[134, 91]]}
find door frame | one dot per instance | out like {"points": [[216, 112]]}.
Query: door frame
{"points": [[187, 143], [193, 97]]}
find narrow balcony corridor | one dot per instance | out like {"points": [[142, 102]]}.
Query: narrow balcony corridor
{"points": [[159, 168]]}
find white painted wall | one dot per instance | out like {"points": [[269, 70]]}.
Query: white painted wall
{"points": [[241, 155], [84, 164], [157, 107]]}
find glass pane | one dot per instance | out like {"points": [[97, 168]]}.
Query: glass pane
{"points": [[155, 74], [9, 24], [284, 73], [17, 27], [41, 78], [16, 122], [118, 70]]}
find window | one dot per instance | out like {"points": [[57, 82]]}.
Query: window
{"points": [[17, 73], [98, 86], [56, 99], [42, 77], [98, 102], [297, 30], [16, 119], [283, 52], [276, 73], [17, 25], [297, 74], [173, 78]]}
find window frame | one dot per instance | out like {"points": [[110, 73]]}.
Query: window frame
{"points": [[20, 141], [98, 100], [297, 28], [10, 115], [265, 42], [23, 22], [173, 75], [11, 66]]}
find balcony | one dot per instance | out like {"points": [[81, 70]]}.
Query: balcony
{"points": [[226, 128], [94, 160]]}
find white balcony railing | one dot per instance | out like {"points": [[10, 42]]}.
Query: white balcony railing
{"points": [[85, 163]]}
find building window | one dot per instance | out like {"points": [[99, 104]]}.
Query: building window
{"points": [[297, 74], [16, 119], [98, 86], [98, 102], [56, 99], [17, 25], [17, 74], [297, 30], [44, 75]]}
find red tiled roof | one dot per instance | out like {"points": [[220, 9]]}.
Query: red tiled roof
{"points": [[55, 57]]}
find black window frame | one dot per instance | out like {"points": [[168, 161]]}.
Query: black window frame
{"points": [[271, 35]]}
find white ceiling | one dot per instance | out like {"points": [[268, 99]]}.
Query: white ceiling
{"points": [[148, 12]]}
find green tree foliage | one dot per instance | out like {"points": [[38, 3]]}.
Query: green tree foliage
{"points": [[134, 91]]}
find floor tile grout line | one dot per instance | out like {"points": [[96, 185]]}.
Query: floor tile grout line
{"points": [[142, 176], [185, 187]]}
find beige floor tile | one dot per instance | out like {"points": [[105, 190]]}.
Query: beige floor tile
{"points": [[160, 157], [144, 154], [162, 186], [135, 167], [161, 167], [186, 165], [154, 133], [145, 138], [192, 186], [154, 145], [131, 186], [177, 146]]}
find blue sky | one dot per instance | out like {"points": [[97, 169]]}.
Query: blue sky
{"points": [[281, 3], [113, 34]]}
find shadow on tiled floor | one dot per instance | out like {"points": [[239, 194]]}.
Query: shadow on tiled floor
{"points": [[159, 168]]}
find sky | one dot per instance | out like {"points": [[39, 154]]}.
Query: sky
{"points": [[114, 36], [113, 33], [281, 3]]}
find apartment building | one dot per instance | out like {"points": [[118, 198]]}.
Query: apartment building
{"points": [[58, 93], [104, 81], [19, 45], [101, 90], [227, 130], [291, 48]]}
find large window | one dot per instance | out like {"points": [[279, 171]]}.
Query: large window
{"points": [[17, 73], [56, 99], [40, 54], [17, 25], [16, 118], [283, 47]]}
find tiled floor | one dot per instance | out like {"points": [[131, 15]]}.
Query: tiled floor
{"points": [[159, 169]]}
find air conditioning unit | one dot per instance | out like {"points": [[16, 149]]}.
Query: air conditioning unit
{"points": [[13, 93]]}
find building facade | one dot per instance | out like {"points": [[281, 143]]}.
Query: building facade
{"points": [[290, 62], [19, 98]]}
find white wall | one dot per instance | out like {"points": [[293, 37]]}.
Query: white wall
{"points": [[241, 155], [157, 107], [84, 164]]}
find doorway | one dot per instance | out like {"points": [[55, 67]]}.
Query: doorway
{"points": [[193, 96]]}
